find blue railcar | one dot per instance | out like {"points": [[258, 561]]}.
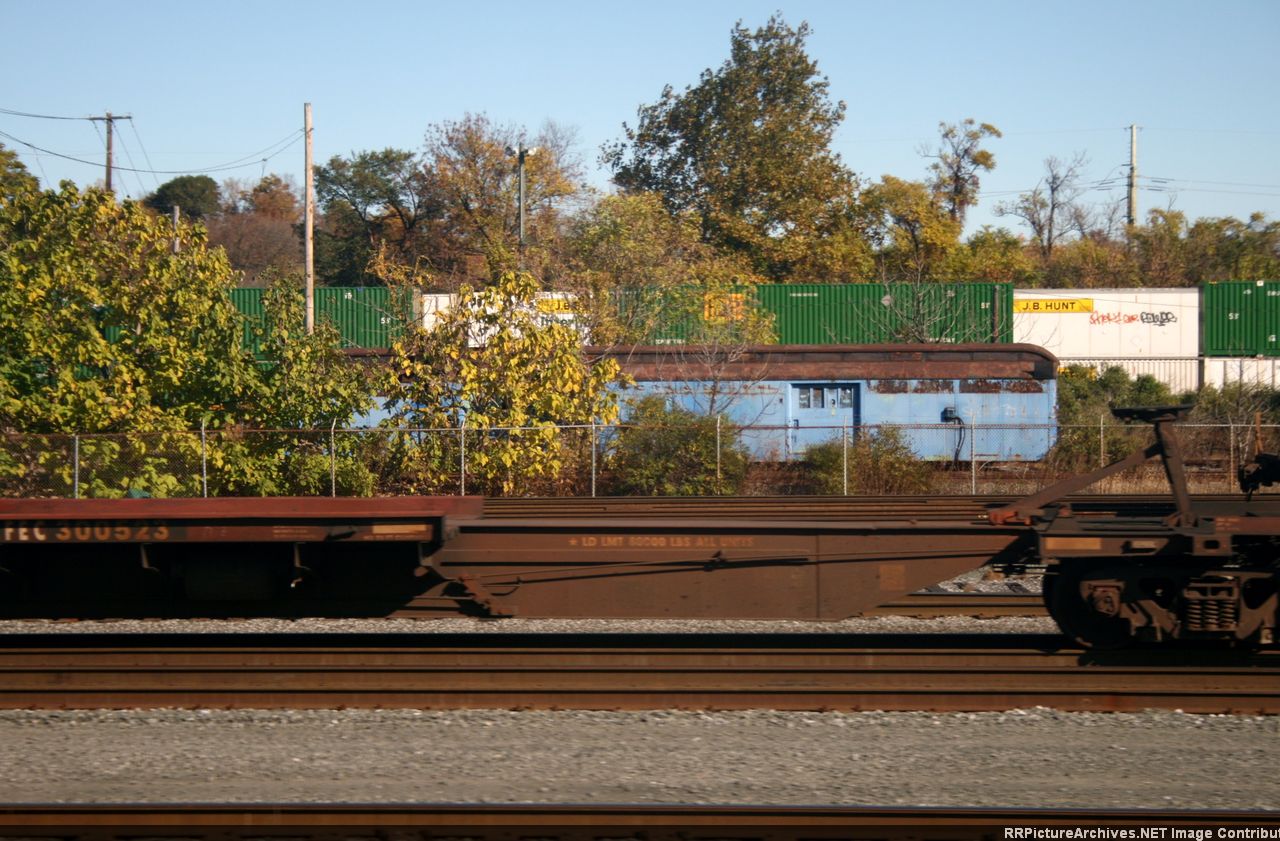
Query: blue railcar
{"points": [[949, 402]]}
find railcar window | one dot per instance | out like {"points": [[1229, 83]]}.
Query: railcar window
{"points": [[809, 397], [846, 398]]}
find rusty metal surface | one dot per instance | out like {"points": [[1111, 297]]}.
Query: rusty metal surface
{"points": [[33, 522], [580, 822], [787, 672], [750, 558], [731, 568], [848, 362], [240, 508]]}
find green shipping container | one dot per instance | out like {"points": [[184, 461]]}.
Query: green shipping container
{"points": [[249, 303], [1241, 318], [678, 315], [366, 316], [874, 313]]}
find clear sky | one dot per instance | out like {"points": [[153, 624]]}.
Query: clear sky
{"points": [[213, 83]]}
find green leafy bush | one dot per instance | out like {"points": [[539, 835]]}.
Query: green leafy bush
{"points": [[664, 451], [879, 462]]}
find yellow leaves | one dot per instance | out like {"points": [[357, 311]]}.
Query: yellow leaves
{"points": [[511, 375]]}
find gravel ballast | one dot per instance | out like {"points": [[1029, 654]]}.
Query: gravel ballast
{"points": [[870, 625], [1028, 758]]}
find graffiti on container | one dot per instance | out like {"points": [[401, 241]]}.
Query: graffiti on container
{"points": [[1159, 319]]}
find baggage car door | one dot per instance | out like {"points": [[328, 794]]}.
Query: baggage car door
{"points": [[820, 412]]}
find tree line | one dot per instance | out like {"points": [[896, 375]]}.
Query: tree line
{"points": [[114, 323], [732, 178]]}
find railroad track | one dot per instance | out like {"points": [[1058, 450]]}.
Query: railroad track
{"points": [[933, 604], [926, 604], [616, 671], [502, 822]]}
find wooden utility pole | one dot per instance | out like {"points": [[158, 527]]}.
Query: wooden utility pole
{"points": [[110, 120], [1133, 175], [308, 227], [177, 211]]}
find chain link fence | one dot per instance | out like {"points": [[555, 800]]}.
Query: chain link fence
{"points": [[587, 460]]}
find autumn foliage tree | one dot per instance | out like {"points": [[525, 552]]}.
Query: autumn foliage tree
{"points": [[14, 177], [108, 334], [954, 175], [474, 166], [259, 227], [104, 329], [510, 377], [747, 151]]}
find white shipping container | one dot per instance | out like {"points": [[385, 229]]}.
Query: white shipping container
{"points": [[1179, 373], [1249, 370], [1114, 323], [551, 307], [434, 307]]}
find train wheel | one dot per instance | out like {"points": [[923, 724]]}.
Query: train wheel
{"points": [[1077, 617]]}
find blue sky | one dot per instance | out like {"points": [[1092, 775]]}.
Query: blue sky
{"points": [[212, 83]]}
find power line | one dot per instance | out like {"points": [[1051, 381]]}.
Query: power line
{"points": [[12, 113], [133, 124], [239, 163], [1220, 183], [137, 176]]}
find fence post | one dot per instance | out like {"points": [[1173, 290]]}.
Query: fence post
{"points": [[333, 459], [973, 459], [845, 457], [593, 456], [204, 459], [462, 476], [718, 418], [75, 481], [1231, 448], [1102, 440]]}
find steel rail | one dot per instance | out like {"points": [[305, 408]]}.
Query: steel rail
{"points": [[582, 821], [930, 605], [603, 671]]}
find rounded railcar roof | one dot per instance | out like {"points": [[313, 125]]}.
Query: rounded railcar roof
{"points": [[650, 363]]}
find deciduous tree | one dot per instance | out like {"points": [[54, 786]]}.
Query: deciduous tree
{"points": [[507, 375], [368, 199], [914, 231], [103, 327], [198, 196], [636, 270], [957, 162], [747, 150], [14, 177], [258, 228], [1051, 209], [475, 166]]}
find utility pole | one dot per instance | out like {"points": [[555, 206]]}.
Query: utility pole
{"points": [[110, 120], [520, 153], [308, 227], [1133, 175]]}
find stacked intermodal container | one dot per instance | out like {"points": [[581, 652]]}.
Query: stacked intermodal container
{"points": [[1144, 331], [874, 313], [365, 316], [825, 313], [1189, 337]]}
